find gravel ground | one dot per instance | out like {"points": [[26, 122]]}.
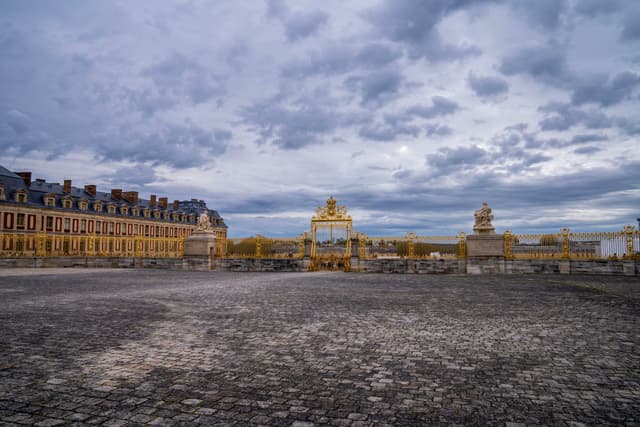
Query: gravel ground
{"points": [[141, 347]]}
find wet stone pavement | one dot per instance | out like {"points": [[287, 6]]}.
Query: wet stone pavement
{"points": [[133, 347]]}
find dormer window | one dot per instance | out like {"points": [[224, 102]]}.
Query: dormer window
{"points": [[183, 218], [146, 212], [20, 196], [156, 214], [111, 209], [135, 211], [176, 216], [192, 218], [166, 215], [67, 203], [97, 206], [49, 200], [83, 205], [3, 196], [124, 210]]}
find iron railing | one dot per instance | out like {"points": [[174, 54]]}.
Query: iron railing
{"points": [[265, 247], [574, 245]]}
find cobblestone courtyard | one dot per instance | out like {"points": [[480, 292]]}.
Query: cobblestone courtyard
{"points": [[132, 347]]}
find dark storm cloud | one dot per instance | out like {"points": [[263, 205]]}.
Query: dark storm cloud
{"points": [[487, 86], [184, 78], [440, 106], [517, 142], [376, 86], [391, 129], [631, 25], [438, 130], [585, 138], [180, 146], [594, 8], [377, 55], [141, 175], [628, 126], [290, 125], [447, 159], [544, 13], [587, 150], [297, 25], [561, 117], [606, 91], [20, 134], [301, 25], [413, 24], [544, 62], [339, 58]]}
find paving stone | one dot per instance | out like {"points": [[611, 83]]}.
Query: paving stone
{"points": [[202, 348]]}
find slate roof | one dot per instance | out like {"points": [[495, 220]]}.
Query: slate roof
{"points": [[39, 188]]}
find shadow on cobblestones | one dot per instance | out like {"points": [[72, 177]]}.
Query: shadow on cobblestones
{"points": [[174, 348]]}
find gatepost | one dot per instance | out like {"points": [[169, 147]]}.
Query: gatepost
{"points": [[200, 247], [485, 248]]}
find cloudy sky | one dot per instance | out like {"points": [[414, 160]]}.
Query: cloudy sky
{"points": [[410, 113]]}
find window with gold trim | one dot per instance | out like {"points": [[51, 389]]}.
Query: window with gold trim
{"points": [[83, 205], [111, 209], [97, 206]]}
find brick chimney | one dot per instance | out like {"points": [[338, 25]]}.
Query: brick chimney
{"points": [[26, 177], [162, 202], [131, 197], [116, 193], [67, 186], [90, 189], [176, 204], [152, 202]]}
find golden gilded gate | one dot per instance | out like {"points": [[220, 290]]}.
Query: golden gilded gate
{"points": [[331, 230]]}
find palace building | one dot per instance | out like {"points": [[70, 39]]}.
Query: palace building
{"points": [[39, 218]]}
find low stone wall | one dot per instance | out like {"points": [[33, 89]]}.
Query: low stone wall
{"points": [[486, 265], [497, 265], [261, 264], [411, 266], [557, 266], [92, 262]]}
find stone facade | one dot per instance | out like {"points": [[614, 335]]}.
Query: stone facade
{"points": [[40, 218]]}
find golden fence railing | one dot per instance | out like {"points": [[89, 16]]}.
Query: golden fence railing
{"points": [[565, 244], [93, 245], [413, 246], [574, 245], [265, 247]]}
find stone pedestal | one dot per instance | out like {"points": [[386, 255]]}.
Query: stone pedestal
{"points": [[199, 249], [485, 245]]}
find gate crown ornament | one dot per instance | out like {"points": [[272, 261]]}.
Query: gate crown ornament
{"points": [[331, 210]]}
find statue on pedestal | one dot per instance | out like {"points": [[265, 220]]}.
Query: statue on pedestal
{"points": [[483, 218], [203, 223]]}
